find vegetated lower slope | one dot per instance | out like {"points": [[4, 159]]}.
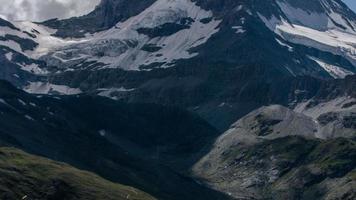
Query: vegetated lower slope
{"points": [[143, 145], [25, 176], [284, 168]]}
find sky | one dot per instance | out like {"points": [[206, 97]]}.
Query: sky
{"points": [[39, 10]]}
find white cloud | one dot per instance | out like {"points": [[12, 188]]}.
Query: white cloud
{"points": [[39, 10]]}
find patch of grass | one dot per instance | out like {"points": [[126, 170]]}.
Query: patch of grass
{"points": [[31, 177], [336, 157]]}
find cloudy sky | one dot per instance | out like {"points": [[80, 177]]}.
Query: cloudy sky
{"points": [[38, 10]]}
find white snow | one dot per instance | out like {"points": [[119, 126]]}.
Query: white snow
{"points": [[284, 45], [239, 29], [116, 42], [44, 38], [9, 56], [334, 41], [335, 105], [47, 88], [102, 133], [22, 102], [290, 71], [108, 92], [334, 71], [120, 46], [317, 30], [33, 68], [12, 45], [29, 117], [3, 101]]}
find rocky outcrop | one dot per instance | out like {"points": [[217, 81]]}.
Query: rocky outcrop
{"points": [[276, 153]]}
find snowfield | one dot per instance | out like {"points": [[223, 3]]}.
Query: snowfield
{"points": [[123, 45], [47, 88], [318, 30]]}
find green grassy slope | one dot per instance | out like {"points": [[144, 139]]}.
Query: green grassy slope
{"points": [[24, 176]]}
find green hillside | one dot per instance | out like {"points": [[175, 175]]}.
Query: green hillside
{"points": [[25, 176]]}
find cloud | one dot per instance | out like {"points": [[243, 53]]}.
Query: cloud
{"points": [[39, 10]]}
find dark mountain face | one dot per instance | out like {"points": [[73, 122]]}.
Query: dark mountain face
{"points": [[141, 145], [220, 59]]}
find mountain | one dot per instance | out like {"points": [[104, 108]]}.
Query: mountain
{"points": [[278, 153], [134, 145], [33, 177], [126, 143], [283, 168], [190, 99], [218, 58], [305, 151]]}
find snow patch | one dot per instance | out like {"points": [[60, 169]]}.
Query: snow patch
{"points": [[128, 43], [334, 71], [29, 117], [44, 37], [3, 101], [47, 88], [102, 133], [9, 56], [12, 45], [284, 45], [239, 29], [109, 92], [33, 68], [327, 31], [21, 102]]}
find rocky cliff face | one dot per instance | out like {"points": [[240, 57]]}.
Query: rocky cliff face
{"points": [[277, 153], [283, 168]]}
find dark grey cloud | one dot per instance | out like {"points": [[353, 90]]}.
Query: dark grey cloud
{"points": [[39, 10]]}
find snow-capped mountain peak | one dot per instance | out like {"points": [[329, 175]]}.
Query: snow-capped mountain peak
{"points": [[161, 34], [314, 38]]}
